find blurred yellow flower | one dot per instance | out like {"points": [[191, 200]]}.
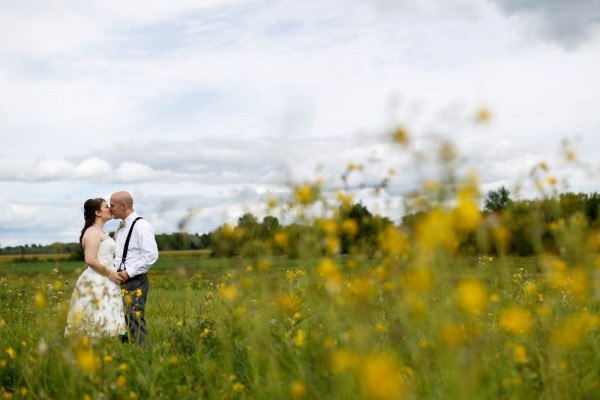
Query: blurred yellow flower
{"points": [[437, 229], [393, 241], [572, 331], [418, 279], [350, 227], [380, 378], [330, 271], [483, 115], [516, 321], [39, 300], [11, 353], [272, 203], [305, 194], [453, 335], [530, 288], [87, 360], [238, 387], [281, 239], [205, 333], [228, 293], [519, 353], [345, 199], [121, 381], [328, 226], [297, 389], [300, 338], [466, 215], [400, 135], [473, 296], [290, 302], [333, 245], [343, 360], [360, 288]]}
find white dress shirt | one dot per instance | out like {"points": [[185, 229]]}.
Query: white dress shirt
{"points": [[143, 251]]}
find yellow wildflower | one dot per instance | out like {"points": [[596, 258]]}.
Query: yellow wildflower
{"points": [[419, 279], [393, 241], [381, 378], [466, 213], [400, 135], [281, 239], [39, 300], [483, 115], [330, 271], [290, 302], [121, 381], [350, 227], [571, 332], [297, 389], [306, 194], [519, 353], [343, 360], [87, 360], [238, 387], [473, 296], [299, 339], [360, 288], [453, 335], [228, 292], [11, 353], [516, 321]]}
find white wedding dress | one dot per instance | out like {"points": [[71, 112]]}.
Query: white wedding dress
{"points": [[97, 302]]}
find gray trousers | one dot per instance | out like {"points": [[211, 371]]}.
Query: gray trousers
{"points": [[134, 301]]}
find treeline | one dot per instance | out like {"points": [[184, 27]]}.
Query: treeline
{"points": [[38, 249], [528, 227]]}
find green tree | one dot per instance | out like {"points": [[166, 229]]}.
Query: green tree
{"points": [[497, 200]]}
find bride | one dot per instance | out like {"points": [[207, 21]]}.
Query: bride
{"points": [[96, 307]]}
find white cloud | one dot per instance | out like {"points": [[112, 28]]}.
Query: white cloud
{"points": [[93, 168]]}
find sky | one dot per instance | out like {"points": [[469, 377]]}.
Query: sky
{"points": [[212, 107]]}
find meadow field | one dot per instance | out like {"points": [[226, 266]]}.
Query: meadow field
{"points": [[328, 328]]}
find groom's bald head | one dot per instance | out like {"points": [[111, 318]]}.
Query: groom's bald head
{"points": [[121, 204]]}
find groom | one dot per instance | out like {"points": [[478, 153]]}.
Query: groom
{"points": [[135, 254]]}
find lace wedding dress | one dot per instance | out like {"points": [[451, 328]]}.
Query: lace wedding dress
{"points": [[96, 307]]}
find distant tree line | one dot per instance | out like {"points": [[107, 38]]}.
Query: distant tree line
{"points": [[530, 226]]}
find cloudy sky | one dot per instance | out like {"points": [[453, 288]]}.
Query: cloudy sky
{"points": [[217, 105]]}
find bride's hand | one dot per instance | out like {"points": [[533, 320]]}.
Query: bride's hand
{"points": [[115, 277]]}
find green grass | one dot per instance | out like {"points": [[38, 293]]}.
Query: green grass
{"points": [[239, 329]]}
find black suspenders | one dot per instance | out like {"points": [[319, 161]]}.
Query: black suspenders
{"points": [[124, 257]]}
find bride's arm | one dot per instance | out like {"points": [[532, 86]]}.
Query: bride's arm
{"points": [[91, 244]]}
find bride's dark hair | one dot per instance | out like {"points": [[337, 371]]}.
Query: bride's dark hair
{"points": [[89, 214]]}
